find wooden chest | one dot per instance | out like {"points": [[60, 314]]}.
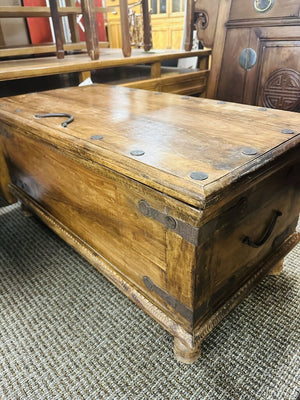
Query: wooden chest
{"points": [[183, 203]]}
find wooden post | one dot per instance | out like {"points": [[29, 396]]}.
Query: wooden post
{"points": [[126, 47], [189, 25], [1, 37], [57, 30], [83, 75], [91, 34], [146, 26], [218, 48], [156, 70], [73, 23]]}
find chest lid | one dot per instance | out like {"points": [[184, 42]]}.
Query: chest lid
{"points": [[188, 148]]}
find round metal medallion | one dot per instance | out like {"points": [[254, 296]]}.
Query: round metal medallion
{"points": [[247, 59], [263, 6]]}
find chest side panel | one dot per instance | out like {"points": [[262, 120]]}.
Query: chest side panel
{"points": [[245, 232], [107, 211]]}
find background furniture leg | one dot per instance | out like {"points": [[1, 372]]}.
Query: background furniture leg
{"points": [[146, 26], [189, 25], [91, 34], [57, 30], [126, 47], [83, 75]]}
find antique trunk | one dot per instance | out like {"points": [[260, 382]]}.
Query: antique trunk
{"points": [[183, 203]]}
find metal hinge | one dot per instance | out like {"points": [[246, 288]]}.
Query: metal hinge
{"points": [[186, 231]]}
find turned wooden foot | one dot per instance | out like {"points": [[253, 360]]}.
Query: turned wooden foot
{"points": [[277, 269], [25, 211], [184, 353]]}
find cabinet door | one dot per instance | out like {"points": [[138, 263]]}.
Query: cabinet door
{"points": [[261, 66], [279, 79]]}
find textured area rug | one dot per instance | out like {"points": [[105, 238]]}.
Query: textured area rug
{"points": [[67, 333]]}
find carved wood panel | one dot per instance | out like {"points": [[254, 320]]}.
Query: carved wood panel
{"points": [[282, 90]]}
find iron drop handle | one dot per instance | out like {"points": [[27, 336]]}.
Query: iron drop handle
{"points": [[64, 124], [267, 233]]}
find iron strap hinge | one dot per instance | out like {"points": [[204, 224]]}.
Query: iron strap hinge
{"points": [[186, 231]]}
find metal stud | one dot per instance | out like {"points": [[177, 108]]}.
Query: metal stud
{"points": [[96, 137], [157, 93], [262, 109], [144, 208], [199, 176], [137, 153], [248, 151], [18, 110], [170, 222], [287, 131], [221, 102]]}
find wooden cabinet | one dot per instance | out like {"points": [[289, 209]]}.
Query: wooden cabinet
{"points": [[256, 51]]}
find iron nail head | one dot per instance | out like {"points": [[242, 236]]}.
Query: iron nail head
{"points": [[137, 153], [248, 151], [199, 176], [287, 131], [96, 137]]}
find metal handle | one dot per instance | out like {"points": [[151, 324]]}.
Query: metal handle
{"points": [[267, 233], [64, 124]]}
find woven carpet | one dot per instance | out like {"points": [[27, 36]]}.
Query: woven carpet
{"points": [[67, 333]]}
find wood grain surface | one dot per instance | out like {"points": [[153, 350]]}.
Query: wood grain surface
{"points": [[117, 185], [165, 128], [28, 68]]}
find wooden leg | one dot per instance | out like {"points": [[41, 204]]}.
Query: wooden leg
{"points": [[184, 353], [189, 25], [25, 211], [57, 30], [83, 75], [277, 269], [91, 34], [5, 178], [126, 47], [156, 70], [146, 26], [73, 23]]}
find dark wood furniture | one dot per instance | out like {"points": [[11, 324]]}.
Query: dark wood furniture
{"points": [[255, 50], [184, 218]]}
